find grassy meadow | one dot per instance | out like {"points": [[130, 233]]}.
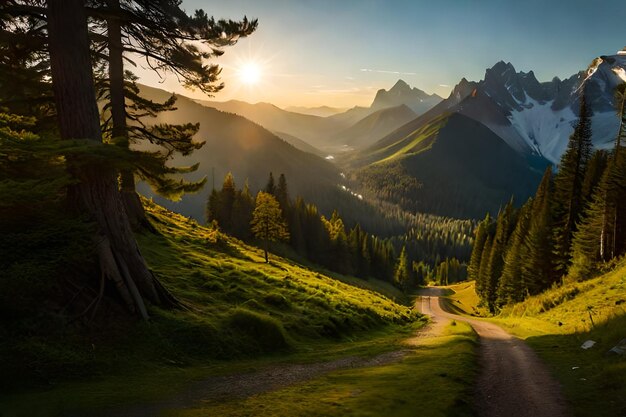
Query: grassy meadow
{"points": [[241, 313]]}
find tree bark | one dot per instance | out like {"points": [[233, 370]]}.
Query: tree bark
{"points": [[134, 209], [95, 192]]}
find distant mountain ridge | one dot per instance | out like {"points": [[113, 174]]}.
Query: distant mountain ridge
{"points": [[401, 93], [322, 127], [375, 126], [509, 123], [312, 129], [538, 117], [321, 111], [235, 144]]}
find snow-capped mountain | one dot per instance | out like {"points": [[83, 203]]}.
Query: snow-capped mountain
{"points": [[401, 93], [538, 117]]}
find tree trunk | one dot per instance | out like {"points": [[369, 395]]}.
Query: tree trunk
{"points": [[95, 192], [134, 209]]}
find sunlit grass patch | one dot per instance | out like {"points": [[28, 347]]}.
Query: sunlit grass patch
{"points": [[432, 380]]}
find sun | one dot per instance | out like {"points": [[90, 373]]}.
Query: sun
{"points": [[250, 73]]}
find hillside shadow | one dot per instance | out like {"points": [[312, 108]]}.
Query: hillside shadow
{"points": [[593, 380]]}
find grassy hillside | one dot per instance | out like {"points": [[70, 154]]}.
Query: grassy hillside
{"points": [[238, 308], [556, 324], [559, 321], [451, 166]]}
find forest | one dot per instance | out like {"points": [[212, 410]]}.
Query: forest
{"points": [[572, 229], [432, 244]]}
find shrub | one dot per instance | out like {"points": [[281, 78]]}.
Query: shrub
{"points": [[261, 330]]}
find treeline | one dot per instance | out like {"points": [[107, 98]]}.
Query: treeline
{"points": [[435, 249], [570, 229], [438, 248], [433, 239], [325, 241]]}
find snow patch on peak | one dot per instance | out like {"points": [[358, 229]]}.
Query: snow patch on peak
{"points": [[620, 72], [545, 131]]}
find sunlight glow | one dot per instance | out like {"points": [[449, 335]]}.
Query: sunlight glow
{"points": [[250, 73]]}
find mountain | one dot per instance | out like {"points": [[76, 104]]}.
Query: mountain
{"points": [[321, 111], [402, 93], [375, 126], [537, 118], [314, 130], [238, 145], [299, 143], [235, 144], [451, 165], [351, 116], [319, 126]]}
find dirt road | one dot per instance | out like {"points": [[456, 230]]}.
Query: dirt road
{"points": [[219, 388], [513, 381]]}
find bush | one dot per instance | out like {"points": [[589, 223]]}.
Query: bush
{"points": [[260, 330], [277, 300]]}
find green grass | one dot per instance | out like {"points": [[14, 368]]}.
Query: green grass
{"points": [[557, 322], [153, 383], [412, 143], [463, 299], [242, 313], [432, 380]]}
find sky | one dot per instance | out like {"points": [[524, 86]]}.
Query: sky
{"points": [[340, 52]]}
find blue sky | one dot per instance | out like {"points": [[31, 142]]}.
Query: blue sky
{"points": [[313, 52]]}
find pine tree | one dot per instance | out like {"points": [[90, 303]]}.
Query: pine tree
{"points": [[242, 213], [94, 193], [590, 240], [339, 251], [355, 246], [607, 204], [537, 270], [620, 109], [270, 188], [495, 264], [402, 273], [601, 232], [226, 203], [477, 249], [170, 41], [212, 207], [297, 226], [267, 222], [483, 272], [568, 185], [512, 288], [282, 194], [593, 174]]}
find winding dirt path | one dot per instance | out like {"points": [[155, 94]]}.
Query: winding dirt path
{"points": [[513, 381], [243, 385]]}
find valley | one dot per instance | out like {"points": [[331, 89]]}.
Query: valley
{"points": [[312, 209]]}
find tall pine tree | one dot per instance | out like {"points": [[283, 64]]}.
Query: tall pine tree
{"points": [[482, 230], [512, 287], [568, 187], [537, 270]]}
